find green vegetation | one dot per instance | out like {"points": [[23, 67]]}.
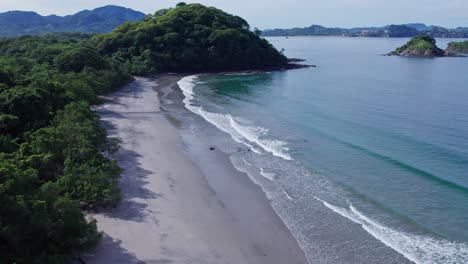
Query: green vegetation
{"points": [[421, 45], [52, 161], [188, 38], [460, 47], [54, 156]]}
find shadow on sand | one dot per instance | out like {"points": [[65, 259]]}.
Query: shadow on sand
{"points": [[134, 177], [114, 249]]}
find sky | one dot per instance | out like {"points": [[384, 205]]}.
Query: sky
{"points": [[267, 14]]}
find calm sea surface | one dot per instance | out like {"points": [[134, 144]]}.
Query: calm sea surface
{"points": [[365, 157]]}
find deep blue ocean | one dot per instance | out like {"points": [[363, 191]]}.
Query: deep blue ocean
{"points": [[365, 157]]}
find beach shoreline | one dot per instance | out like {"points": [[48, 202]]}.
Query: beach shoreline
{"points": [[182, 200]]}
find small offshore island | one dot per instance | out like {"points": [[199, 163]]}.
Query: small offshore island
{"points": [[422, 46], [458, 47]]}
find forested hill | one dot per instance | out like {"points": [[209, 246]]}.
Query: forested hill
{"points": [[55, 159], [99, 20], [189, 38]]}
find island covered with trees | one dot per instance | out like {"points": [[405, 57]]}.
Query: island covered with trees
{"points": [[458, 47], [422, 46], [55, 159]]}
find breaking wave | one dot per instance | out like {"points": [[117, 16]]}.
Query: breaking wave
{"points": [[419, 249], [247, 135]]}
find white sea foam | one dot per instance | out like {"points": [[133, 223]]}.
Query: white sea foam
{"points": [[222, 122], [419, 249], [268, 175], [186, 85], [254, 134], [219, 120], [246, 162], [287, 195], [228, 124]]}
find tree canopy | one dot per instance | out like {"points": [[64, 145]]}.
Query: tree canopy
{"points": [[421, 45], [461, 47], [52, 148], [190, 37]]}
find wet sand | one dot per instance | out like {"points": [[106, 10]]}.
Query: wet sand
{"points": [[181, 204]]}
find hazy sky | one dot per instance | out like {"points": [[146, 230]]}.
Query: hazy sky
{"points": [[286, 13]]}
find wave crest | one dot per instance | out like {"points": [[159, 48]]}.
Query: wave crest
{"points": [[419, 249], [246, 135]]}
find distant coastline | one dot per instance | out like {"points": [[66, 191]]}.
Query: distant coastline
{"points": [[389, 31]]}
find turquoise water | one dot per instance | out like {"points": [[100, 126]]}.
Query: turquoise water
{"points": [[365, 157]]}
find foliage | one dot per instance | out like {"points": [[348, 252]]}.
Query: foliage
{"points": [[37, 224], [77, 59], [190, 37], [461, 47], [421, 45], [51, 146]]}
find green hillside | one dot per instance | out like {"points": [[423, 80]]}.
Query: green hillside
{"points": [[189, 38], [421, 45]]}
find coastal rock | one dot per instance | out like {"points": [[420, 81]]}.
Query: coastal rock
{"points": [[294, 60], [422, 46]]}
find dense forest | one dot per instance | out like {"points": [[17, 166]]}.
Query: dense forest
{"points": [[52, 149], [54, 156], [188, 38]]}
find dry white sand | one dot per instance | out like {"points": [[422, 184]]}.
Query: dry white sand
{"points": [[171, 212]]}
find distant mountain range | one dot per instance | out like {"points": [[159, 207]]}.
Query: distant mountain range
{"points": [[406, 30], [99, 20]]}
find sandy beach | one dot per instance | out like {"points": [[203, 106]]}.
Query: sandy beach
{"points": [[176, 207]]}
